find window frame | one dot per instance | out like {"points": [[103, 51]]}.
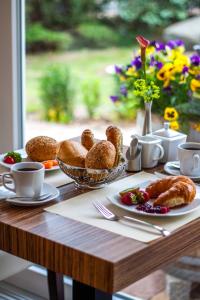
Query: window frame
{"points": [[12, 74]]}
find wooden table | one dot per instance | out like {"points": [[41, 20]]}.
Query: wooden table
{"points": [[99, 262]]}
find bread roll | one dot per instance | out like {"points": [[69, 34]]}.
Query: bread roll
{"points": [[87, 139], [72, 153], [101, 156], [114, 136], [41, 148]]}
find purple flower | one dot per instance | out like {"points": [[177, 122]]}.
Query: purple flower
{"points": [[174, 43], [152, 61], [185, 70], [179, 43], [118, 70], [158, 64], [198, 77], [195, 59], [114, 98], [155, 63], [159, 46], [171, 44], [123, 90], [152, 43], [137, 62]]}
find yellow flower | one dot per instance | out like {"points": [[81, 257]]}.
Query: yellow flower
{"points": [[194, 71], [174, 125], [130, 71], [182, 79], [122, 78], [52, 114], [195, 85], [196, 126], [180, 62], [150, 50], [175, 53], [170, 114], [166, 73]]}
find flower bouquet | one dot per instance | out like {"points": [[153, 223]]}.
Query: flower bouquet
{"points": [[172, 77]]}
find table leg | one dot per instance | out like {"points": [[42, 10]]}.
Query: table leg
{"points": [[195, 290], [82, 292], [55, 285]]}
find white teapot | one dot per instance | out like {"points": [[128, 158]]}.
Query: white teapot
{"points": [[170, 141]]}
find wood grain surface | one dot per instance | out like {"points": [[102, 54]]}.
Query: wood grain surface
{"points": [[90, 255]]}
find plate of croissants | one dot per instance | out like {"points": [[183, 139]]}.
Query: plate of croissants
{"points": [[90, 162], [170, 196]]}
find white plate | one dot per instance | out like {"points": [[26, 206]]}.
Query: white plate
{"points": [[24, 158], [115, 199], [47, 189], [175, 171]]}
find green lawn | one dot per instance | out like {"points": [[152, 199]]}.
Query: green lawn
{"points": [[84, 64]]}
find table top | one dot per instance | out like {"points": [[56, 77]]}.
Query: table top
{"points": [[88, 254]]}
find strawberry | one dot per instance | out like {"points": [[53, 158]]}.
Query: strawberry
{"points": [[134, 196], [145, 195], [129, 199], [9, 160]]}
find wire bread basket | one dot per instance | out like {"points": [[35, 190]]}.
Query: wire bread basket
{"points": [[92, 178]]}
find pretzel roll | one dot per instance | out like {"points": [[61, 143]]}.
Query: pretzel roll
{"points": [[87, 139], [114, 136]]}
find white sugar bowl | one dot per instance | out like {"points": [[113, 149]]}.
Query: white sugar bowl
{"points": [[170, 140]]}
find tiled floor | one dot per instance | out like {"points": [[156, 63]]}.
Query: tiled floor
{"points": [[161, 296], [148, 287]]}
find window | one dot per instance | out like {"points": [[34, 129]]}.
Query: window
{"points": [[11, 74]]}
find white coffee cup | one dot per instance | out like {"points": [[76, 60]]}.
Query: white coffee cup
{"points": [[189, 157], [27, 177], [152, 151]]}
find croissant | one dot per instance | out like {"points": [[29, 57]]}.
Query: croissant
{"points": [[172, 191], [114, 136]]}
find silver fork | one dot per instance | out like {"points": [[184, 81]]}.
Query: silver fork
{"points": [[113, 217]]}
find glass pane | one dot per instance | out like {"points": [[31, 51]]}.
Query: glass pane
{"points": [[73, 48]]}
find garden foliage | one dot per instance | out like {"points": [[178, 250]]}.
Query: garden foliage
{"points": [[57, 94], [39, 38], [89, 22], [91, 96]]}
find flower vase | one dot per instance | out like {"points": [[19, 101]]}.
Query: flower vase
{"points": [[147, 127]]}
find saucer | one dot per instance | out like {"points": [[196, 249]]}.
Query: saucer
{"points": [[170, 169], [47, 189]]}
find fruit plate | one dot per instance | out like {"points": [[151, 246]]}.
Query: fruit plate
{"points": [[24, 158], [175, 212]]}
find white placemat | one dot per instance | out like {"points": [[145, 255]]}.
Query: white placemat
{"points": [[80, 208], [57, 178]]}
